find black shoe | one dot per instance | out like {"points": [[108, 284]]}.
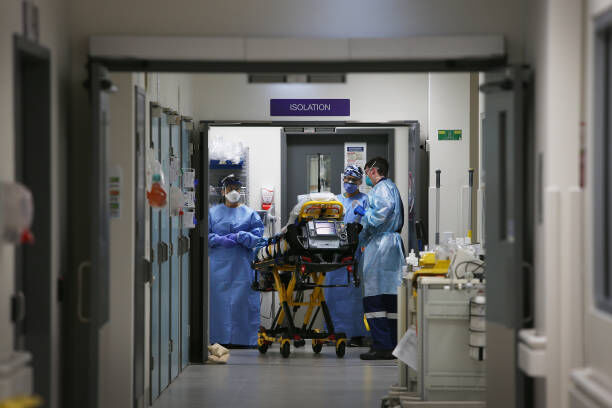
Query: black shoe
{"points": [[356, 342], [377, 355]]}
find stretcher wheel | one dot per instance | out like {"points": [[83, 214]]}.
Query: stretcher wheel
{"points": [[317, 347], [263, 348], [340, 348], [285, 348]]}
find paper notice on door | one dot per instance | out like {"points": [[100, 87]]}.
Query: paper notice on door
{"points": [[407, 349], [355, 153]]}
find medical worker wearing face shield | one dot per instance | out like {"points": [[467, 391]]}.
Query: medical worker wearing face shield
{"points": [[346, 303], [233, 231], [382, 258]]}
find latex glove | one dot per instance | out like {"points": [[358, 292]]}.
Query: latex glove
{"points": [[226, 242], [233, 236], [359, 210], [247, 239]]}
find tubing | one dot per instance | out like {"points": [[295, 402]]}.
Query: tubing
{"points": [[438, 171], [471, 189]]}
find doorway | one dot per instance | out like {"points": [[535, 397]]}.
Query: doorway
{"points": [[315, 161], [34, 300]]}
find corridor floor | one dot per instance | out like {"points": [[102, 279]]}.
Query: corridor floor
{"points": [[302, 380]]}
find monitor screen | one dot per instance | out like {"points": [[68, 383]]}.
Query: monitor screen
{"points": [[325, 228]]}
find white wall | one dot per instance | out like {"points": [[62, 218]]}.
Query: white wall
{"points": [[374, 97], [449, 108], [555, 50], [53, 35], [597, 324], [264, 145], [117, 336]]}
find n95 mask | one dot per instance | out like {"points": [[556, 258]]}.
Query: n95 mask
{"points": [[233, 196]]}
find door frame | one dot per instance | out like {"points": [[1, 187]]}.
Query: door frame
{"points": [[199, 254], [141, 265], [33, 264]]}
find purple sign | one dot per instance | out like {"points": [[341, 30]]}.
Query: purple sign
{"points": [[310, 107]]}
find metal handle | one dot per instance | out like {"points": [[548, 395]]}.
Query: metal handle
{"points": [[21, 306], [82, 266]]}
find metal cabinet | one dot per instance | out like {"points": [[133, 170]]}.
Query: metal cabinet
{"points": [[170, 254], [446, 370]]}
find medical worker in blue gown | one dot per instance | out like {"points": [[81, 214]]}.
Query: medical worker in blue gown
{"points": [[233, 231], [382, 258], [346, 303]]}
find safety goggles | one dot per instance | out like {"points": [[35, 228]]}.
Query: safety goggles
{"points": [[352, 180], [232, 187]]}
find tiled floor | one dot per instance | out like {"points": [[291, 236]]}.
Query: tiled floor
{"points": [[302, 380]]}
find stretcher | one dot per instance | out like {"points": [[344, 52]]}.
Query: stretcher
{"points": [[298, 259]]}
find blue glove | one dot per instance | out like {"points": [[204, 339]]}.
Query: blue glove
{"points": [[359, 210], [233, 236], [246, 239], [226, 242]]}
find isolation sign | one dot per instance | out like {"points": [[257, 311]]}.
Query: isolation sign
{"points": [[310, 107]]}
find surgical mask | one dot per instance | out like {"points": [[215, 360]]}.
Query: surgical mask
{"points": [[233, 196], [369, 181], [350, 187]]}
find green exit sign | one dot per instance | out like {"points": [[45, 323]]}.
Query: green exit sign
{"points": [[449, 134]]}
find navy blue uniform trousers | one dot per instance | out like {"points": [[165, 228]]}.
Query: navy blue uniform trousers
{"points": [[381, 313]]}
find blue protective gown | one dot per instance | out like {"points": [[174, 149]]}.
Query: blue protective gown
{"points": [[234, 306], [346, 304], [382, 263], [383, 258]]}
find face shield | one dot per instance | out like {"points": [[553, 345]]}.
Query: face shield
{"points": [[230, 188]]}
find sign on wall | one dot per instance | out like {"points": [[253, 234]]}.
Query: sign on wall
{"points": [[310, 107], [355, 153], [114, 191], [449, 134]]}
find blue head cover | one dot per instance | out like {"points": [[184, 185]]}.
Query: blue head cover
{"points": [[353, 171], [230, 180]]}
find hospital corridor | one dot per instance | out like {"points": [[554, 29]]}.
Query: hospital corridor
{"points": [[305, 203], [250, 380]]}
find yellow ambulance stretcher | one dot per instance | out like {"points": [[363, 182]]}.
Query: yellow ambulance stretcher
{"points": [[295, 261]]}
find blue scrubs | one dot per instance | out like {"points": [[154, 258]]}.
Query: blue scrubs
{"points": [[234, 306], [346, 304]]}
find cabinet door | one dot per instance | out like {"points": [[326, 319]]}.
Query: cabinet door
{"points": [[164, 358], [175, 264], [155, 267], [186, 128]]}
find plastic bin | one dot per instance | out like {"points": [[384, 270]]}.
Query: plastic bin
{"points": [[216, 164]]}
